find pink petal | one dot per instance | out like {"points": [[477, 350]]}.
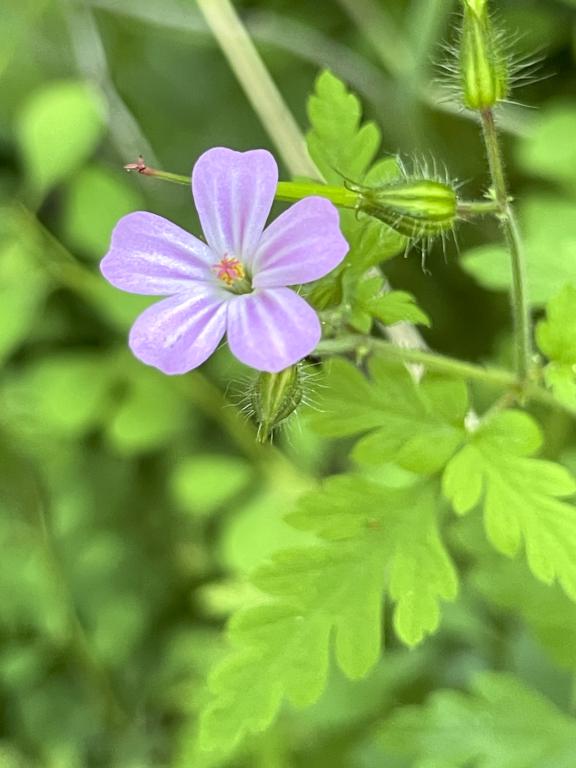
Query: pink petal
{"points": [[151, 255], [233, 192], [302, 244], [181, 332], [272, 329]]}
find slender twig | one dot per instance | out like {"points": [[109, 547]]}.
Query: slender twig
{"points": [[433, 361], [258, 86], [507, 216], [292, 191]]}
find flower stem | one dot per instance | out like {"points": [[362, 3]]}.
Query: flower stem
{"points": [[507, 216], [430, 360], [292, 191], [469, 208], [498, 377], [258, 86]]}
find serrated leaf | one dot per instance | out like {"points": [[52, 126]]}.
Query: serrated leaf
{"points": [[338, 143], [342, 148], [500, 723], [375, 536], [371, 243], [419, 426], [57, 129], [522, 496], [396, 307], [556, 336], [370, 300]]}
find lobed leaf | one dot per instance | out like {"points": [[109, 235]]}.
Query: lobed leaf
{"points": [[502, 722], [417, 425], [556, 336], [522, 496], [377, 539], [340, 145]]}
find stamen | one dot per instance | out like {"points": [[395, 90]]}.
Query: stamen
{"points": [[229, 269]]}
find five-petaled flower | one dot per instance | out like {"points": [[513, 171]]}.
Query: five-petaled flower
{"points": [[236, 282]]}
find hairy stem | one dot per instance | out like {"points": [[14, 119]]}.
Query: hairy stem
{"points": [[498, 377], [507, 216], [292, 191], [258, 86]]}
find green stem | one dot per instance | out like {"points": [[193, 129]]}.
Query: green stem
{"points": [[258, 86], [432, 361], [292, 191], [470, 208], [519, 294]]}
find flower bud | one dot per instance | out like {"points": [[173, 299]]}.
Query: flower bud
{"points": [[483, 63], [274, 397], [416, 208]]}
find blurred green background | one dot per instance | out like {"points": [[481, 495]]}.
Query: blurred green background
{"points": [[132, 505]]}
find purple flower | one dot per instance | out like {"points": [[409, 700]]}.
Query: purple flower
{"points": [[235, 283]]}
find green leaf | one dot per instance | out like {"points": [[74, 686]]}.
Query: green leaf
{"points": [[203, 484], [549, 230], [57, 129], [521, 496], [150, 415], [418, 426], [95, 200], [343, 147], [556, 336], [550, 151], [67, 394], [371, 301], [377, 538], [371, 243], [396, 307], [500, 723], [338, 143], [23, 286], [507, 584]]}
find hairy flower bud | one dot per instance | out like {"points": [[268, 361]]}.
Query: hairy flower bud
{"points": [[416, 208], [274, 397], [483, 62]]}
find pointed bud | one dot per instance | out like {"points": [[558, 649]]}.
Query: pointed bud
{"points": [[274, 397], [483, 63], [416, 208]]}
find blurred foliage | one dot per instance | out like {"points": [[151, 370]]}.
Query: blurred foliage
{"points": [[133, 506]]}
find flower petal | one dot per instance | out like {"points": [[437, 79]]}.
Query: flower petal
{"points": [[181, 332], [302, 244], [151, 255], [233, 192], [272, 329]]}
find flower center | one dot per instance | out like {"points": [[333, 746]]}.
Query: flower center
{"points": [[231, 271]]}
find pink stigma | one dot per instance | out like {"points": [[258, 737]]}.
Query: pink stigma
{"points": [[229, 269]]}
